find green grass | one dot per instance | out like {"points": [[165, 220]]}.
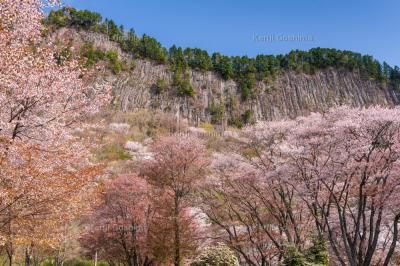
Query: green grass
{"points": [[74, 262], [113, 152]]}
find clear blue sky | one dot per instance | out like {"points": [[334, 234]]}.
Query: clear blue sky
{"points": [[229, 26]]}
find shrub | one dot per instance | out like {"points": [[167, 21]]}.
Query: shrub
{"points": [[63, 55], [293, 257], [82, 262], [78, 262], [236, 122], [219, 255], [57, 19], [207, 127], [68, 16], [152, 49], [160, 86], [240, 121], [90, 55], [114, 63], [113, 152], [247, 117], [318, 252], [186, 89], [217, 113], [183, 87], [84, 19], [247, 84]]}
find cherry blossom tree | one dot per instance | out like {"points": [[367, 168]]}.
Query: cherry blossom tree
{"points": [[37, 201], [345, 165], [41, 102], [333, 174], [119, 226], [178, 168], [45, 166], [254, 212]]}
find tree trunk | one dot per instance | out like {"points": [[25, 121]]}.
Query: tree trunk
{"points": [[10, 256], [394, 241], [9, 246], [177, 244], [95, 259], [28, 255]]}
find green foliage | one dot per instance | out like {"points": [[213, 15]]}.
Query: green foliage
{"points": [[78, 262], [247, 117], [177, 59], [395, 74], [222, 65], [241, 121], [177, 78], [114, 32], [266, 66], [63, 55], [131, 43], [219, 255], [247, 84], [235, 121], [113, 152], [84, 19], [197, 59], [58, 18], [244, 70], [217, 113], [207, 126], [152, 49], [185, 88], [160, 86], [114, 63], [293, 257], [91, 55], [68, 16], [74, 262], [318, 252], [146, 47]]}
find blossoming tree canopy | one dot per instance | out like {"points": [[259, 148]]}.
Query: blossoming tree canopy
{"points": [[45, 166], [344, 165], [120, 224], [177, 170], [40, 100]]}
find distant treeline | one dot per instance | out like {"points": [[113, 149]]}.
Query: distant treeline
{"points": [[244, 70]]}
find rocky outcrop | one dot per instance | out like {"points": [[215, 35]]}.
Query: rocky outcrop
{"points": [[289, 95]]}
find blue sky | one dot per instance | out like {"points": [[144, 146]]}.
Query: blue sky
{"points": [[233, 27]]}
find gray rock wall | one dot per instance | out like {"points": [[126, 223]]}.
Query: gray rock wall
{"points": [[289, 95]]}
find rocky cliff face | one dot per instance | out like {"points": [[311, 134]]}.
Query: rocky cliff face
{"points": [[289, 95]]}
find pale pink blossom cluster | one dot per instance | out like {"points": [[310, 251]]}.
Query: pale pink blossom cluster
{"points": [[45, 164], [335, 174], [41, 102]]}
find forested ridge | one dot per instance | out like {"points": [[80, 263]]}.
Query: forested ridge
{"points": [[244, 70]]}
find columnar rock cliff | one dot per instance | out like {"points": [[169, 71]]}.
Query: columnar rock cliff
{"points": [[289, 95]]}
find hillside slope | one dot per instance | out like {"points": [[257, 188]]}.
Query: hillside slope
{"points": [[219, 101]]}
